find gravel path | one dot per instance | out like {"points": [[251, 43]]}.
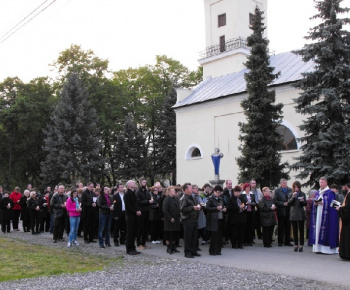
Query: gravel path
{"points": [[150, 272]]}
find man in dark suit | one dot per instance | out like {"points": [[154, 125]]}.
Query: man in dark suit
{"points": [[189, 209], [119, 216], [88, 201], [144, 201], [281, 200], [228, 192], [132, 211]]}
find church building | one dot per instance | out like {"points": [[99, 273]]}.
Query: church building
{"points": [[207, 116]]}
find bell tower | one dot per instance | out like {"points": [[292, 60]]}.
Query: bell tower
{"points": [[226, 29]]}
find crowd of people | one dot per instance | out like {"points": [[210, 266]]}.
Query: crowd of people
{"points": [[133, 215]]}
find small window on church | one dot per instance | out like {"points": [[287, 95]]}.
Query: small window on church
{"points": [[222, 20], [222, 43], [251, 18], [288, 139], [196, 153]]}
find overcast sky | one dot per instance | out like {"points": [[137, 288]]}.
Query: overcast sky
{"points": [[129, 33]]}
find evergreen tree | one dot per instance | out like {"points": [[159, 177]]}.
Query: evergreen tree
{"points": [[325, 98], [130, 155], [260, 141], [165, 141], [72, 141], [24, 111]]}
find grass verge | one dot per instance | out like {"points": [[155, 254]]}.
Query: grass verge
{"points": [[21, 259]]}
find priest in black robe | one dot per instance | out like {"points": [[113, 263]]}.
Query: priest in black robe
{"points": [[344, 227]]}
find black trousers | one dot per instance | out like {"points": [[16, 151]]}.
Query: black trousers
{"points": [[267, 235], [5, 226], [90, 224], [283, 230], [34, 221], [237, 235], [216, 239], [156, 230], [257, 223], [131, 224], [26, 224], [15, 218], [190, 236], [298, 226], [58, 227], [120, 229], [249, 228], [227, 228], [44, 222], [142, 228]]}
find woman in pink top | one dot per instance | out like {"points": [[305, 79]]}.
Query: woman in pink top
{"points": [[74, 209]]}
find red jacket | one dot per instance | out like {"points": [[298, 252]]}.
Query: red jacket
{"points": [[16, 196]]}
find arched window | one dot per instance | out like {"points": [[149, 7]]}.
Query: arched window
{"points": [[193, 152], [289, 141], [196, 153]]}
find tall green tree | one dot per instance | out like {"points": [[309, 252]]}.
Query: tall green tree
{"points": [[260, 141], [325, 98], [72, 139], [25, 111], [165, 143], [130, 154], [9, 133], [104, 95], [145, 91]]}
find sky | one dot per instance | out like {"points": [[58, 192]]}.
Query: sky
{"points": [[129, 33]]}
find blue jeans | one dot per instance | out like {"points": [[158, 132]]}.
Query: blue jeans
{"points": [[74, 224], [104, 225]]}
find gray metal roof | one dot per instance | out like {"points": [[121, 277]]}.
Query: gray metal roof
{"points": [[289, 64]]}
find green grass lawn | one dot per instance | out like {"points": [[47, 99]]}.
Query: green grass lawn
{"points": [[19, 259]]}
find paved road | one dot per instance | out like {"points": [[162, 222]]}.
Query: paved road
{"points": [[276, 260]]}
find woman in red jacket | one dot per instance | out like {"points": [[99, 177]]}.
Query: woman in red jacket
{"points": [[16, 210]]}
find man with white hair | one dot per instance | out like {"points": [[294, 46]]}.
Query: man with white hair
{"points": [[132, 211]]}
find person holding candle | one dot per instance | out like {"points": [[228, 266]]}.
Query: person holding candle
{"points": [[297, 201]]}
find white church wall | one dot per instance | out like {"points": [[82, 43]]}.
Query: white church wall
{"points": [[233, 62], [215, 124]]}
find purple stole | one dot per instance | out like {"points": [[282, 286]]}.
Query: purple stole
{"points": [[329, 232]]}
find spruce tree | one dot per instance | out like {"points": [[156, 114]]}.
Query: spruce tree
{"points": [[325, 98], [165, 141], [260, 141], [130, 158], [72, 139]]}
